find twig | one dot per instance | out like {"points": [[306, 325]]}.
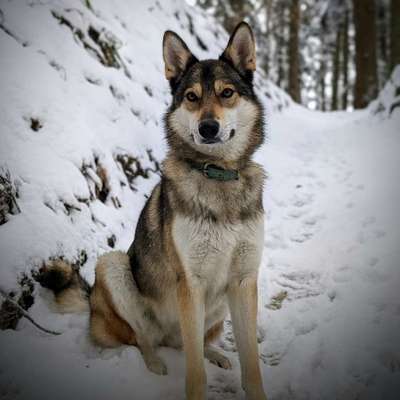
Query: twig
{"points": [[25, 314]]}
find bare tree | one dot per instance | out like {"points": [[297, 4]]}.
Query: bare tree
{"points": [[336, 69], [293, 51], [281, 43], [366, 67], [268, 34], [345, 60], [394, 33]]}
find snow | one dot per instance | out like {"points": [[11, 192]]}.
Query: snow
{"points": [[329, 309], [389, 97]]}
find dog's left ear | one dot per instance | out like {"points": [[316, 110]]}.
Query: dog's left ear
{"points": [[177, 56], [241, 50]]}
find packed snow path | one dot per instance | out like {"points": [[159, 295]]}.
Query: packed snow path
{"points": [[331, 257], [329, 318]]}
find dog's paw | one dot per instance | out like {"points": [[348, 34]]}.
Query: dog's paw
{"points": [[218, 359], [156, 365]]}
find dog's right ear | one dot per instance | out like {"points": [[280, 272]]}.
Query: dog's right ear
{"points": [[177, 56]]}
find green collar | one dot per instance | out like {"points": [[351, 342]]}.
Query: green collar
{"points": [[212, 171]]}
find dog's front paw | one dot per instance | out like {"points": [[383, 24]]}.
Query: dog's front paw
{"points": [[216, 358], [156, 364]]}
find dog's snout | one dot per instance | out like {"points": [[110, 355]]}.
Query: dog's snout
{"points": [[209, 128]]}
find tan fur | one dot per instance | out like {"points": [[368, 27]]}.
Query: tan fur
{"points": [[175, 54], [230, 102], [214, 332], [191, 309], [107, 328], [71, 300], [242, 49]]}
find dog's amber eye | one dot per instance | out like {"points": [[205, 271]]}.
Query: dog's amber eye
{"points": [[226, 93], [191, 96]]}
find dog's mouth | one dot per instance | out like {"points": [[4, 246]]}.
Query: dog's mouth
{"points": [[211, 141]]}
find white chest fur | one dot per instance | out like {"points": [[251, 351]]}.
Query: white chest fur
{"points": [[213, 253]]}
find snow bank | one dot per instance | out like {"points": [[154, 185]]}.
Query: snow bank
{"points": [[388, 100], [83, 94]]}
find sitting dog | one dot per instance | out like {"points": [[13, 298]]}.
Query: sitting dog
{"points": [[199, 238]]}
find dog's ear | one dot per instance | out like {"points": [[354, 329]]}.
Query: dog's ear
{"points": [[241, 50], [177, 56]]}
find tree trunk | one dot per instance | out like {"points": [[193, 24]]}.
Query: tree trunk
{"points": [[236, 14], [336, 70], [268, 20], [383, 38], [322, 73], [345, 61], [366, 67], [294, 57], [281, 44], [394, 33]]}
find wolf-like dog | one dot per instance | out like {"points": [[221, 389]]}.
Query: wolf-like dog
{"points": [[199, 238]]}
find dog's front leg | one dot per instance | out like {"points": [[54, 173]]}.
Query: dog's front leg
{"points": [[191, 312], [242, 295]]}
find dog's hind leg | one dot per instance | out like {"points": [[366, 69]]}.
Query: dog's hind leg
{"points": [[114, 269], [212, 353], [153, 361]]}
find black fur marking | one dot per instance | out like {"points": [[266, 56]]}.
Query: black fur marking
{"points": [[247, 76], [53, 279], [174, 82]]}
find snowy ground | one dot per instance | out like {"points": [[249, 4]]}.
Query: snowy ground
{"points": [[331, 244], [329, 286]]}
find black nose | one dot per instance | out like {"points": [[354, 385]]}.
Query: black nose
{"points": [[208, 128]]}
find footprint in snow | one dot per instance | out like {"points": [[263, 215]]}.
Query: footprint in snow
{"points": [[228, 341], [301, 284], [342, 274], [312, 220], [296, 213], [301, 199], [271, 359], [301, 237], [222, 388], [304, 328]]}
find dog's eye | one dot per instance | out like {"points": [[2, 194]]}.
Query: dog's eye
{"points": [[226, 93], [191, 96]]}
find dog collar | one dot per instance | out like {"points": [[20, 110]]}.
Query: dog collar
{"points": [[212, 171]]}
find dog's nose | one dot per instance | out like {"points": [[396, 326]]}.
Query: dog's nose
{"points": [[209, 128]]}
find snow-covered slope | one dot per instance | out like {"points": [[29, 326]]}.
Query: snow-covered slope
{"points": [[82, 94]]}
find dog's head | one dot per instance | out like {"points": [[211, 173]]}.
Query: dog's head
{"points": [[214, 110]]}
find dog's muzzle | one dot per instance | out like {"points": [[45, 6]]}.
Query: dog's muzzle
{"points": [[208, 130]]}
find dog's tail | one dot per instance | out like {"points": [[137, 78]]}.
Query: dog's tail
{"points": [[70, 289]]}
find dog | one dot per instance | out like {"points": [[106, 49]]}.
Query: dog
{"points": [[199, 239]]}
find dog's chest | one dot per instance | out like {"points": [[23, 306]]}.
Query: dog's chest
{"points": [[206, 249]]}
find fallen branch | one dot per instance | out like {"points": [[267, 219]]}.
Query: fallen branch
{"points": [[25, 314]]}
